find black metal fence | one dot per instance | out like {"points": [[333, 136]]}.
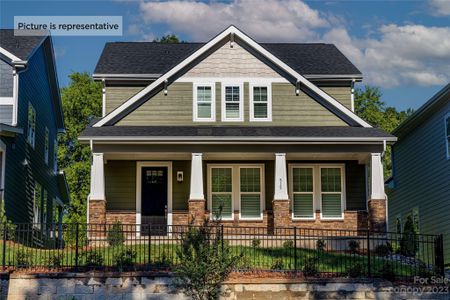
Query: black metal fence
{"points": [[297, 251]]}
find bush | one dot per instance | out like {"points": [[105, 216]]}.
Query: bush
{"points": [[382, 250], [55, 261], [124, 259], [93, 259], [409, 240], [356, 270], [387, 271], [277, 264], [310, 267], [393, 247], [320, 245], [353, 246], [115, 235], [205, 261], [23, 258], [10, 227], [289, 244], [256, 243]]}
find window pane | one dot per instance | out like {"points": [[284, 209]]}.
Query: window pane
{"points": [[303, 206], [448, 126], [260, 110], [221, 180], [232, 110], [204, 94], [260, 94], [331, 205], [331, 179], [204, 110], [221, 201], [303, 179], [232, 93], [250, 180], [250, 206]]}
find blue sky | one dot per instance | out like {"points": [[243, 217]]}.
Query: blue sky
{"points": [[401, 46]]}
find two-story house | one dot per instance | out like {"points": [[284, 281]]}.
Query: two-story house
{"points": [[32, 187], [265, 131]]}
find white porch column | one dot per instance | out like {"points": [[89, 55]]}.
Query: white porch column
{"points": [[281, 190], [97, 177], [377, 177], [196, 178]]}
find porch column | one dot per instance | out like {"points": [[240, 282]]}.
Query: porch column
{"points": [[196, 196], [377, 200], [97, 198], [281, 209]]}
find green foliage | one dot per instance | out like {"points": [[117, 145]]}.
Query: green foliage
{"points": [[55, 260], [23, 258], [353, 246], [277, 264], [382, 250], [370, 107], [355, 270], [256, 243], [124, 259], [320, 245], [70, 234], [93, 259], [81, 103], [205, 262], [387, 271], [4, 222], [409, 240], [289, 244], [310, 267], [115, 235], [168, 39]]}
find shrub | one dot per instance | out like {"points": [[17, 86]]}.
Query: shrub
{"points": [[115, 235], [353, 246], [55, 260], [23, 258], [124, 259], [355, 270], [424, 271], [387, 271], [93, 259], [289, 244], [256, 243], [382, 250], [277, 264], [310, 267], [10, 227], [408, 242], [320, 245], [393, 247], [205, 262]]}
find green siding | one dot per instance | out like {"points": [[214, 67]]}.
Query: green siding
{"points": [[181, 189], [355, 182], [120, 185], [116, 95], [340, 93], [422, 178]]}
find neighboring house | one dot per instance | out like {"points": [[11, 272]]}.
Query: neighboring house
{"points": [[33, 189], [265, 131], [420, 182]]}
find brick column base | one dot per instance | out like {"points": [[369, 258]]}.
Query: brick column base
{"points": [[281, 213], [97, 219], [196, 211], [377, 215]]}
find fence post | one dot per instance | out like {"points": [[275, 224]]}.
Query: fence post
{"points": [[5, 232], [221, 232], [295, 249], [149, 243], [369, 273], [439, 254], [76, 245]]}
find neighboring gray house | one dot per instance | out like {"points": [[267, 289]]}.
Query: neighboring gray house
{"points": [[420, 184], [31, 186]]}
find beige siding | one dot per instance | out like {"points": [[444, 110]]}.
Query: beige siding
{"points": [[115, 95], [176, 109]]}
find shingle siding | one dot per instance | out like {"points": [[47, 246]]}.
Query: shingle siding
{"points": [[6, 79], [6, 114], [422, 177]]}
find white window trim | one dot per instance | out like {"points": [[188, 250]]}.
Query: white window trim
{"points": [[343, 193], [195, 117], [291, 189], [445, 134], [235, 189], [46, 145], [37, 214], [317, 196], [241, 102], [269, 102], [32, 143], [262, 199]]}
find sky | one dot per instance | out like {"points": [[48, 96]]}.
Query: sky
{"points": [[403, 47]]}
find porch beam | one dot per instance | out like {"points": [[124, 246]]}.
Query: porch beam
{"points": [[196, 191], [281, 187], [377, 177]]}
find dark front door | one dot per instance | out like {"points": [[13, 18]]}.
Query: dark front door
{"points": [[154, 195]]}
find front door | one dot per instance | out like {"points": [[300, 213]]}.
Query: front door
{"points": [[154, 196]]}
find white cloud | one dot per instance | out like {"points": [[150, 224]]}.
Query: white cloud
{"points": [[394, 55], [440, 7]]}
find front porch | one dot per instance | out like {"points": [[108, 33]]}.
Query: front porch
{"points": [[335, 186]]}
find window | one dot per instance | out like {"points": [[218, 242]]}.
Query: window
{"points": [[447, 134], [303, 193], [46, 146], [232, 103], [37, 204], [55, 156], [250, 192], [236, 186], [317, 186], [31, 133], [204, 102], [44, 207], [260, 103], [331, 184]]}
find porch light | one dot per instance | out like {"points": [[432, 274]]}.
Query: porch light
{"points": [[297, 88], [231, 40], [165, 87]]}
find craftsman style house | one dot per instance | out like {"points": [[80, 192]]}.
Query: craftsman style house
{"points": [[264, 131], [31, 186]]}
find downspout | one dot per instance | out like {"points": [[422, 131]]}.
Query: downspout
{"points": [[91, 146]]}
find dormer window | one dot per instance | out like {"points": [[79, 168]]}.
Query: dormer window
{"points": [[204, 103], [260, 102], [232, 102]]}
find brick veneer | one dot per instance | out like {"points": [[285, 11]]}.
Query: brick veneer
{"points": [[124, 217], [196, 211], [281, 213], [97, 211], [377, 214]]}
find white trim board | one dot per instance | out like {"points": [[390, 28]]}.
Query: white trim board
{"points": [[115, 115]]}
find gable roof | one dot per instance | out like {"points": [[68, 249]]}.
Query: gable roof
{"points": [[232, 33], [152, 59], [438, 100], [20, 47]]}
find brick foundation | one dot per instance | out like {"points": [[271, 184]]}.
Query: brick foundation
{"points": [[97, 211], [196, 211], [124, 217], [281, 213], [377, 214]]}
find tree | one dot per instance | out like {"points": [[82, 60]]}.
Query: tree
{"points": [[368, 106], [168, 39], [81, 103]]}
